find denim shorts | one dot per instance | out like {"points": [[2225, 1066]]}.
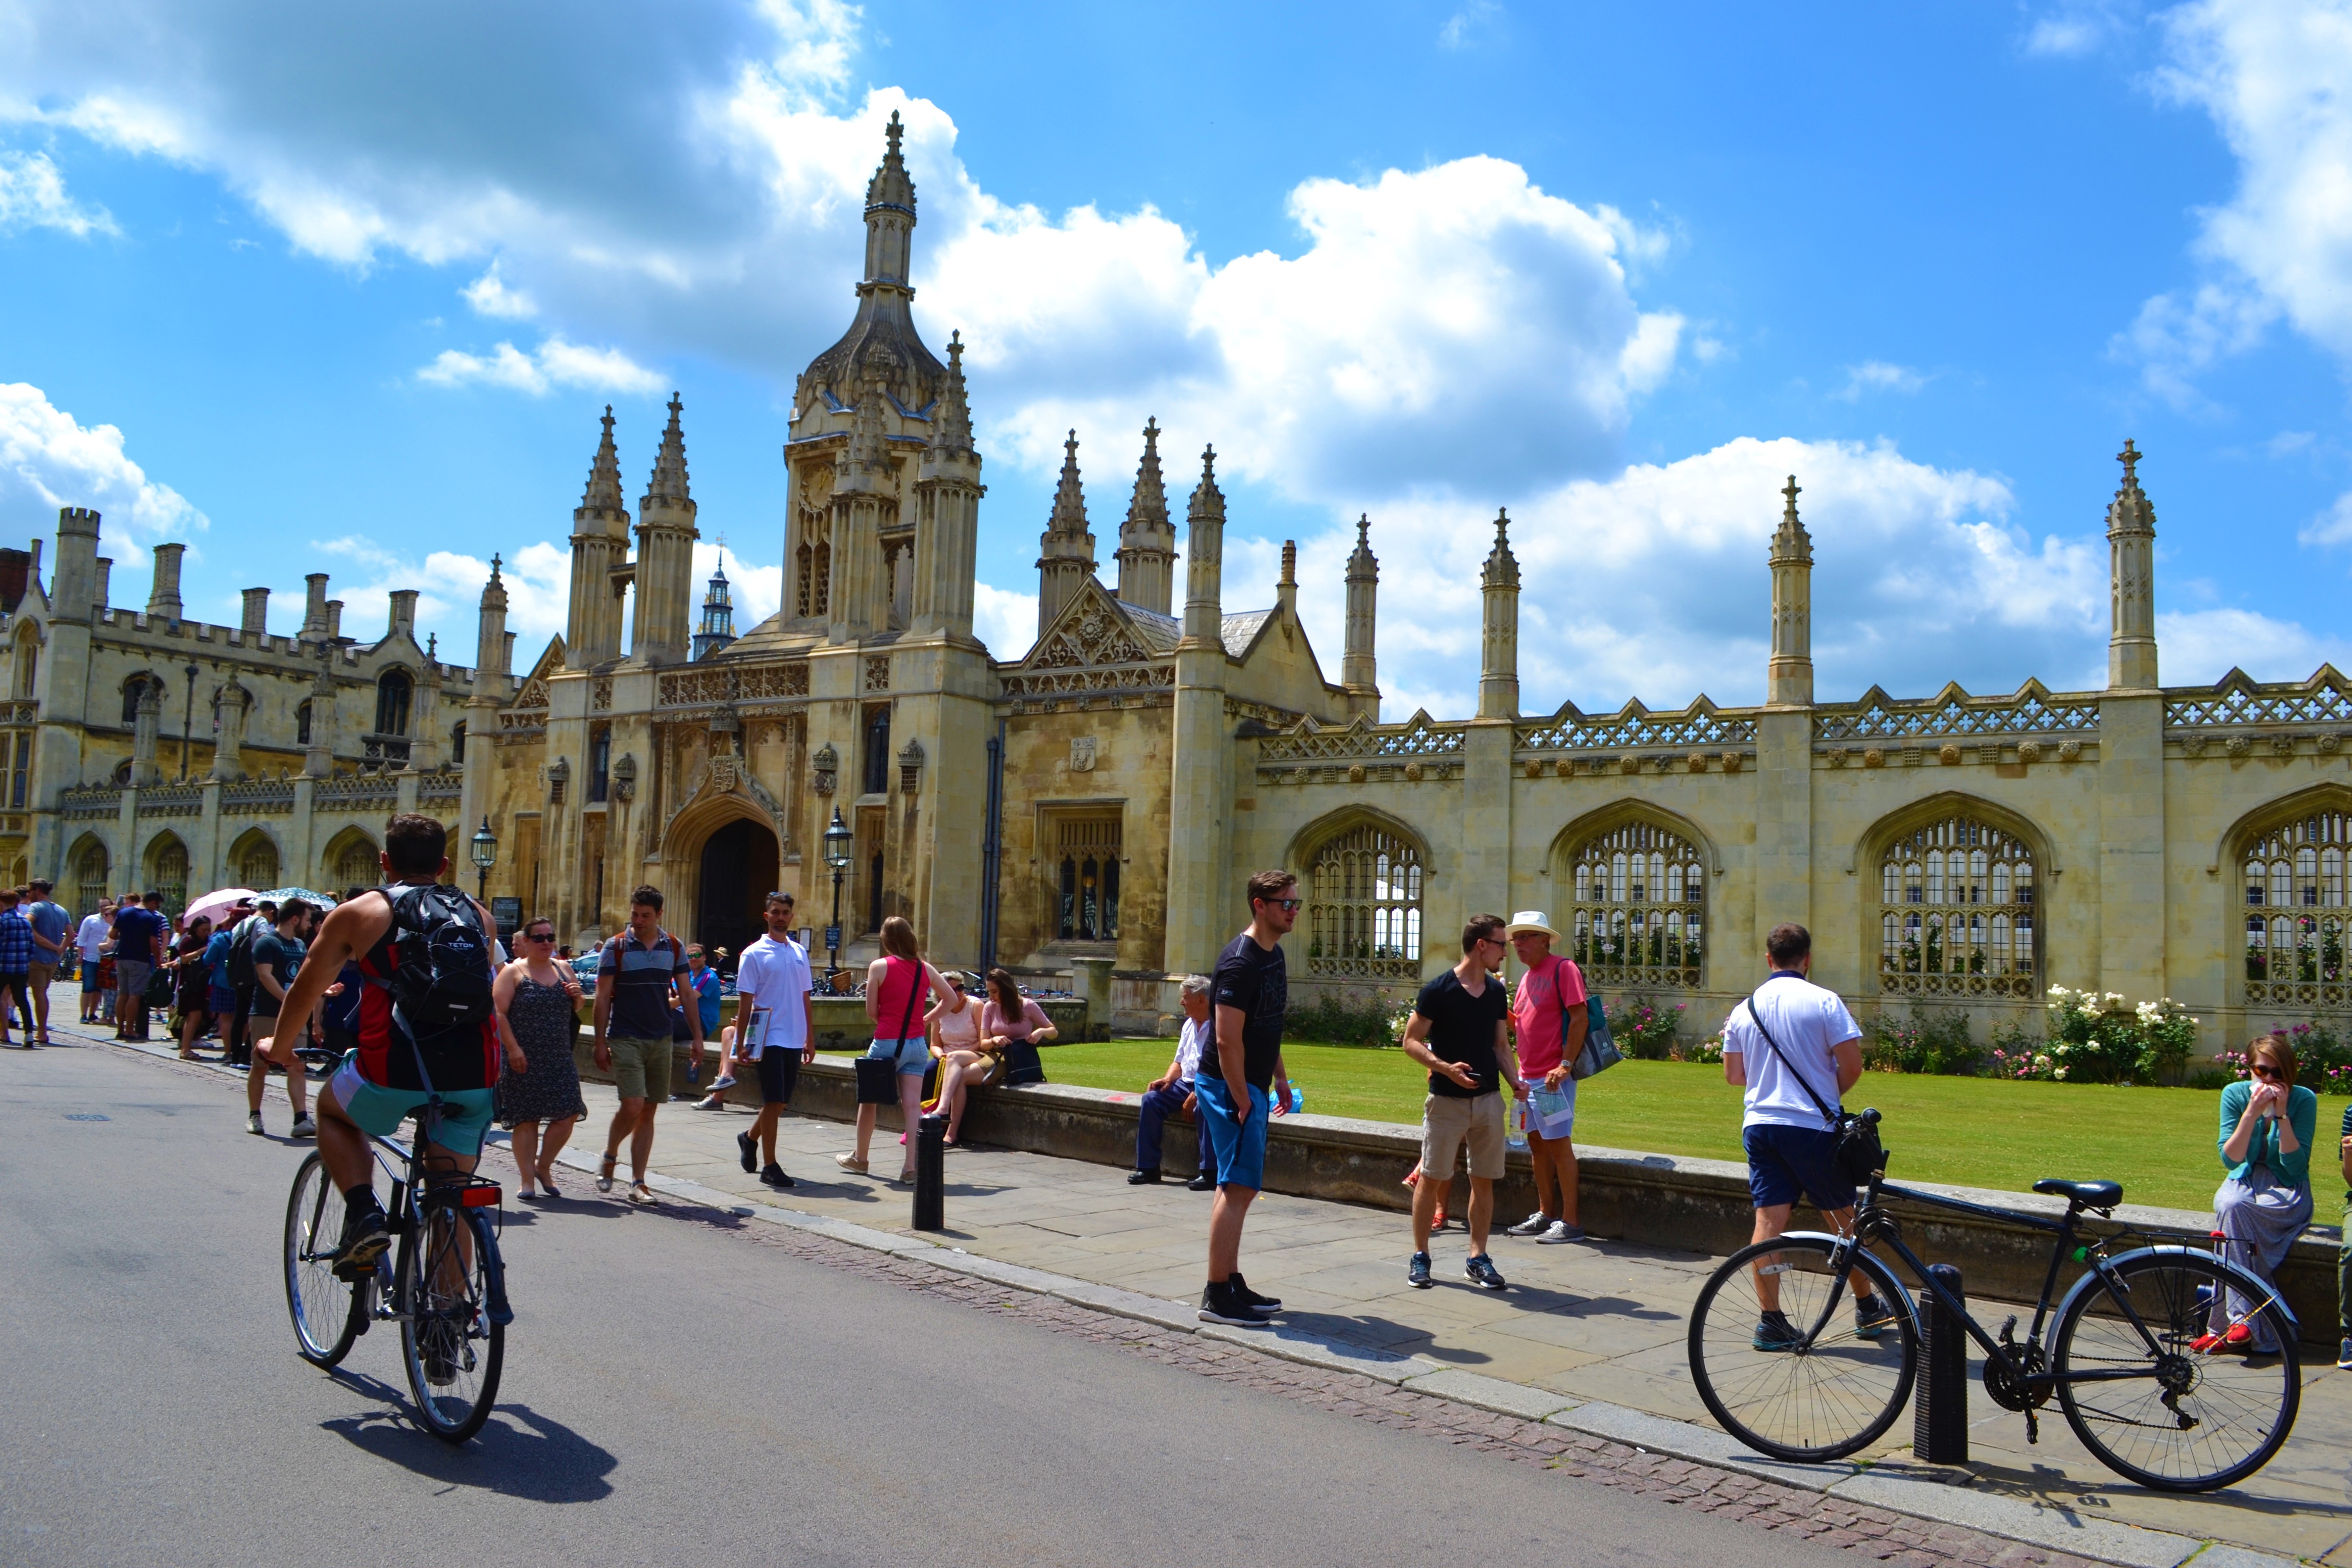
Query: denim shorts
{"points": [[1783, 1161], [1238, 1147], [913, 1054], [89, 976]]}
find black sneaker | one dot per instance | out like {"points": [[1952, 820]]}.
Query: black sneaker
{"points": [[1150, 1178], [743, 1146], [440, 1366], [1203, 1182], [1774, 1333], [1219, 1305], [1481, 1270], [1416, 1273], [1264, 1306], [773, 1176], [366, 1238], [2343, 1356], [1871, 1317]]}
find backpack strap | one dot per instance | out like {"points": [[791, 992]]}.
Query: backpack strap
{"points": [[1829, 1117]]}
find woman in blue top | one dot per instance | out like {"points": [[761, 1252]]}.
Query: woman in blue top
{"points": [[2267, 1125]]}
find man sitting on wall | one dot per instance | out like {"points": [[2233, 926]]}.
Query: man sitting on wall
{"points": [[1172, 1091]]}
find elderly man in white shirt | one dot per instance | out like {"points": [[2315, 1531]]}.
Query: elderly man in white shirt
{"points": [[1172, 1091]]}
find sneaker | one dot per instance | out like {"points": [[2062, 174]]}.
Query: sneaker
{"points": [[1264, 1306], [1871, 1317], [1535, 1224], [304, 1126], [440, 1366], [1481, 1270], [1416, 1273], [1144, 1178], [1203, 1182], [1219, 1305], [2343, 1356], [1773, 1332], [1559, 1231], [744, 1147], [773, 1176], [721, 1084], [253, 1123], [366, 1238], [712, 1102]]}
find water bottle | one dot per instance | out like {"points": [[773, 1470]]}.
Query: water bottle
{"points": [[1515, 1128], [1297, 1098]]}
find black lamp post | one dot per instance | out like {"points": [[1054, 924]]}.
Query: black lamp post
{"points": [[837, 854], [485, 855]]}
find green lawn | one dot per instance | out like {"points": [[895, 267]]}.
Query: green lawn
{"points": [[1979, 1133]]}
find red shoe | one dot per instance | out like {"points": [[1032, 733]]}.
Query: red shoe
{"points": [[2205, 1345], [2239, 1334]]}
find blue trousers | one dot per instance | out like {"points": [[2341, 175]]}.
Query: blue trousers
{"points": [[1159, 1105]]}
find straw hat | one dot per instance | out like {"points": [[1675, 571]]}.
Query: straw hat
{"points": [[1530, 920]]}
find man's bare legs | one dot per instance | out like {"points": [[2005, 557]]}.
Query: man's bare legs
{"points": [[634, 1121], [1774, 1221], [1554, 1160], [1225, 1217], [1426, 1196], [279, 1050]]}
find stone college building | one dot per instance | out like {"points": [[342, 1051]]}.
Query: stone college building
{"points": [[1093, 802]]}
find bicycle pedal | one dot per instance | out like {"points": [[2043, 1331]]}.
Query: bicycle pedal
{"points": [[2032, 1428]]}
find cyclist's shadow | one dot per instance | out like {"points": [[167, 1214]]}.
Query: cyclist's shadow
{"points": [[519, 1452]]}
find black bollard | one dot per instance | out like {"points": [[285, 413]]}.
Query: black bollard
{"points": [[1939, 1411], [931, 1173]]}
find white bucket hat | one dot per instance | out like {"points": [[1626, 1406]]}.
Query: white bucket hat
{"points": [[1530, 920]]}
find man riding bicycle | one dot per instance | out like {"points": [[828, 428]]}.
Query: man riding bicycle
{"points": [[397, 1068]]}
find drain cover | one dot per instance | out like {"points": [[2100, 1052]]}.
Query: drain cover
{"points": [[85, 1116]]}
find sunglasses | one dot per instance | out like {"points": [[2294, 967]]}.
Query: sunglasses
{"points": [[539, 936], [1290, 904], [2264, 1069]]}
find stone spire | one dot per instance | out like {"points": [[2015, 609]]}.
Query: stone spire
{"points": [[2131, 581], [1066, 551], [889, 211], [1788, 677], [718, 627], [490, 641], [666, 536], [1147, 540], [599, 544], [1357, 670], [1285, 589], [1498, 651], [1204, 528], [951, 423], [947, 506]]}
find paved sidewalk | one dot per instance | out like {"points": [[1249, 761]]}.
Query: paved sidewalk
{"points": [[1600, 1322]]}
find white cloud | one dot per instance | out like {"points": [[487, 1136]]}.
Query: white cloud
{"points": [[1005, 620], [2177, 336], [555, 363], [1877, 376], [2076, 26], [33, 196], [2203, 646], [756, 589], [1461, 27], [2333, 526], [537, 579], [490, 296], [48, 460]]}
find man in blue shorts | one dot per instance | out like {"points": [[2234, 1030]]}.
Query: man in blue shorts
{"points": [[1794, 1047], [1252, 990]]}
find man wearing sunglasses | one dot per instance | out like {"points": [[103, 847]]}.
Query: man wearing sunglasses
{"points": [[1457, 1033], [1252, 993]]}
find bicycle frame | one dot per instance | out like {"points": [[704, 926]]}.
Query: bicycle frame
{"points": [[414, 1198]]}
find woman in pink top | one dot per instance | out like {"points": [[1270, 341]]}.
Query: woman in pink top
{"points": [[894, 994], [964, 1062], [1009, 1016], [1547, 1014]]}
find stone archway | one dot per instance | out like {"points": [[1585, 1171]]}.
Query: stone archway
{"points": [[738, 865]]}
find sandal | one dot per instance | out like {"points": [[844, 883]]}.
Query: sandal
{"points": [[604, 1173], [547, 1182], [642, 1197], [850, 1163]]}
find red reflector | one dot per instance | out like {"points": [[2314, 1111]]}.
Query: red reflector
{"points": [[481, 1197]]}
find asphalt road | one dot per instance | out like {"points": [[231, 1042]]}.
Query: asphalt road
{"points": [[672, 1394]]}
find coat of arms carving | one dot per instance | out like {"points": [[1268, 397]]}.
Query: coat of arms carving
{"points": [[1081, 753]]}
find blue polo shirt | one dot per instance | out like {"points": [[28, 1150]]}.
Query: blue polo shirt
{"points": [[642, 979]]}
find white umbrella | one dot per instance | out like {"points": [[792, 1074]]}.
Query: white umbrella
{"points": [[212, 906]]}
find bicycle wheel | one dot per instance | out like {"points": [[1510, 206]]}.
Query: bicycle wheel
{"points": [[2176, 1418], [326, 1310], [1833, 1392], [447, 1342]]}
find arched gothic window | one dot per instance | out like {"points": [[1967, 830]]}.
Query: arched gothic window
{"points": [[2295, 911], [357, 865], [391, 693], [1363, 906], [600, 764], [1638, 911], [90, 868], [1958, 913], [29, 664], [458, 746], [877, 751], [257, 864], [1086, 875], [167, 873], [133, 690]]}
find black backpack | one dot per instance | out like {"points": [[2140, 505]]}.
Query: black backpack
{"points": [[440, 979], [240, 953]]}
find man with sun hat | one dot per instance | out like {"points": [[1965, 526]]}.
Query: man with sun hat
{"points": [[1548, 1013]]}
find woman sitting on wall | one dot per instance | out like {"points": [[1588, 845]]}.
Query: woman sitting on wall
{"points": [[965, 1064], [2262, 1205]]}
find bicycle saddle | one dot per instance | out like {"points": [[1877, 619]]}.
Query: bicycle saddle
{"points": [[2088, 1195]]}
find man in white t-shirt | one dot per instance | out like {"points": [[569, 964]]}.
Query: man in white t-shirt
{"points": [[90, 938], [1172, 1092], [1795, 1048], [773, 977]]}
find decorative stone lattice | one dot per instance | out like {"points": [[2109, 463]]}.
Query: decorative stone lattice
{"points": [[355, 792], [2032, 710], [258, 797], [172, 800], [1363, 907], [725, 683], [90, 801], [2295, 885], [2235, 701], [877, 673], [1957, 913], [1420, 736], [1698, 725], [1639, 915]]}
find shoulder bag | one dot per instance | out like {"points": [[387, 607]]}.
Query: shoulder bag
{"points": [[1022, 1062], [877, 1076], [1857, 1155], [1600, 1052]]}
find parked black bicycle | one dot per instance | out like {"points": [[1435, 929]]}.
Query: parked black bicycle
{"points": [[443, 1283], [2138, 1357]]}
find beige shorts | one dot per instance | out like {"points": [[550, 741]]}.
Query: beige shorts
{"points": [[1449, 1123], [641, 1068]]}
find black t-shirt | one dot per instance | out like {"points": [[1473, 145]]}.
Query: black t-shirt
{"points": [[1462, 1029], [135, 931], [282, 957], [1258, 981]]}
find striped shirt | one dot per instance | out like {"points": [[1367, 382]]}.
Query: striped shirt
{"points": [[643, 978]]}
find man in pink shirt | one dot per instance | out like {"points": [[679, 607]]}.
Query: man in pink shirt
{"points": [[1548, 1014]]}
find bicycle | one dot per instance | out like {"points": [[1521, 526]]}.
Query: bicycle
{"points": [[2137, 1356], [444, 1283]]}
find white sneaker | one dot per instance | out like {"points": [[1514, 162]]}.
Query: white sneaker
{"points": [[305, 1128], [1532, 1225], [253, 1123], [722, 1083], [1558, 1231]]}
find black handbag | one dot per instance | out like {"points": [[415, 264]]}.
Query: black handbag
{"points": [[877, 1076], [1022, 1063], [1857, 1155]]}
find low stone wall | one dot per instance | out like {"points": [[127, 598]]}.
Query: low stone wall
{"points": [[1657, 1200]]}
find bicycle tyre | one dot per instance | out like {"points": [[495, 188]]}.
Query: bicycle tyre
{"points": [[456, 1332], [1837, 1394], [2224, 1393], [325, 1310]]}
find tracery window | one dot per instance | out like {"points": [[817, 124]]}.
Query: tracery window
{"points": [[1958, 912], [1638, 909], [877, 751], [815, 578], [599, 765], [302, 724], [90, 877], [256, 865], [2295, 912], [1086, 875], [1363, 907], [19, 767], [168, 873], [360, 864], [133, 690], [391, 693]]}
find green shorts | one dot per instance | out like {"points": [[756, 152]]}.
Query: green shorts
{"points": [[378, 1111], [641, 1068]]}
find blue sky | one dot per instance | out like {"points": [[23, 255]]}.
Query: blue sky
{"points": [[317, 291]]}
